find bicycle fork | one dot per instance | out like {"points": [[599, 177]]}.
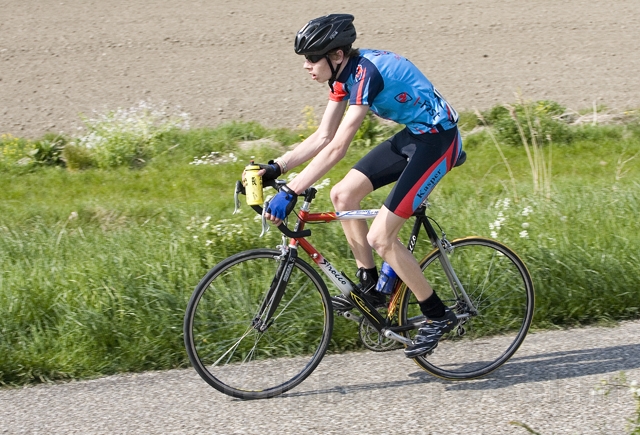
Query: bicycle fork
{"points": [[263, 318]]}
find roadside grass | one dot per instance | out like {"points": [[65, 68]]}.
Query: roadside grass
{"points": [[97, 265]]}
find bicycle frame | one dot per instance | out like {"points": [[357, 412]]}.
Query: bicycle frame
{"points": [[344, 284]]}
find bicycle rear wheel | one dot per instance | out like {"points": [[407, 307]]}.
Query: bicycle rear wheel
{"points": [[230, 353], [499, 287]]}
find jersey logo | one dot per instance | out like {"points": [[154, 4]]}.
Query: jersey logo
{"points": [[403, 97], [359, 73]]}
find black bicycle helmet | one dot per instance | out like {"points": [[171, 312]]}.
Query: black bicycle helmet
{"points": [[323, 34]]}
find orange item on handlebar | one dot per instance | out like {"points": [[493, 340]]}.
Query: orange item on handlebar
{"points": [[253, 184]]}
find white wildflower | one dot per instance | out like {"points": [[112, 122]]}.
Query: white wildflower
{"points": [[497, 224], [214, 158], [324, 183], [503, 203]]}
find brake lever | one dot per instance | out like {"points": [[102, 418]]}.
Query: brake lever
{"points": [[236, 197], [265, 225]]}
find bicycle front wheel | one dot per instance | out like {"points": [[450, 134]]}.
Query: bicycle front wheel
{"points": [[500, 289], [240, 359]]}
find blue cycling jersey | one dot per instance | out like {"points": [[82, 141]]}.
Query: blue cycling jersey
{"points": [[395, 89]]}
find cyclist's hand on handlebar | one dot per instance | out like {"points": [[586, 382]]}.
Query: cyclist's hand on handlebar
{"points": [[272, 170], [268, 172], [281, 205]]}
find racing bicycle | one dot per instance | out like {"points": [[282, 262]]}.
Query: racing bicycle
{"points": [[260, 321]]}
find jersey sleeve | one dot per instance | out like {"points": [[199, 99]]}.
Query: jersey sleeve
{"points": [[339, 93], [368, 84]]}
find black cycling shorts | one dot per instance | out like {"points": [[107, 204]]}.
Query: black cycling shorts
{"points": [[415, 162]]}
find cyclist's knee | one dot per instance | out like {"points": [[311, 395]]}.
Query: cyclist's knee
{"points": [[383, 234], [348, 192], [337, 197], [380, 241], [343, 198]]}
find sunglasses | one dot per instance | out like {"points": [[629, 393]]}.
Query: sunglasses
{"points": [[314, 58]]}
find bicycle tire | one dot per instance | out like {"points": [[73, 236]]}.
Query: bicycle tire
{"points": [[500, 287], [233, 356]]}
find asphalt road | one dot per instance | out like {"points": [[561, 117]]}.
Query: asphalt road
{"points": [[549, 385]]}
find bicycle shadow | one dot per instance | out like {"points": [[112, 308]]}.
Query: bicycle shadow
{"points": [[552, 366], [549, 366], [349, 389]]}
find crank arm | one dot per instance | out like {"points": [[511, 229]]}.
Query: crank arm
{"points": [[350, 316]]}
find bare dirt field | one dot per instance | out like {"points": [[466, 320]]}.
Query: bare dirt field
{"points": [[223, 60]]}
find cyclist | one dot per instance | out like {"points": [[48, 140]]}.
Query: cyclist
{"points": [[415, 159]]}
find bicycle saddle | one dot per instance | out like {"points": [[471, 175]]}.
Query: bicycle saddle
{"points": [[461, 159]]}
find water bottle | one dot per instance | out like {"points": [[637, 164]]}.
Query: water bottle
{"points": [[253, 184], [387, 279]]}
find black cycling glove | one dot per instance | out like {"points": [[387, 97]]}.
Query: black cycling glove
{"points": [[272, 170]]}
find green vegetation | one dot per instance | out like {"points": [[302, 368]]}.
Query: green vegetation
{"points": [[102, 240]]}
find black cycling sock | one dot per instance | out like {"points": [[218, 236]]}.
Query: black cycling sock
{"points": [[432, 306]]}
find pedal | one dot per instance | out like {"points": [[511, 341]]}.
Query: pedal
{"points": [[396, 337]]}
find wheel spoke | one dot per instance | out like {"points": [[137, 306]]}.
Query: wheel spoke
{"points": [[232, 349]]}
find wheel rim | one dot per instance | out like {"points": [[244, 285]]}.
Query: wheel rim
{"points": [[500, 287]]}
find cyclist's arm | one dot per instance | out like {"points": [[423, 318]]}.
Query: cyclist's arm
{"points": [[332, 152], [319, 139]]}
